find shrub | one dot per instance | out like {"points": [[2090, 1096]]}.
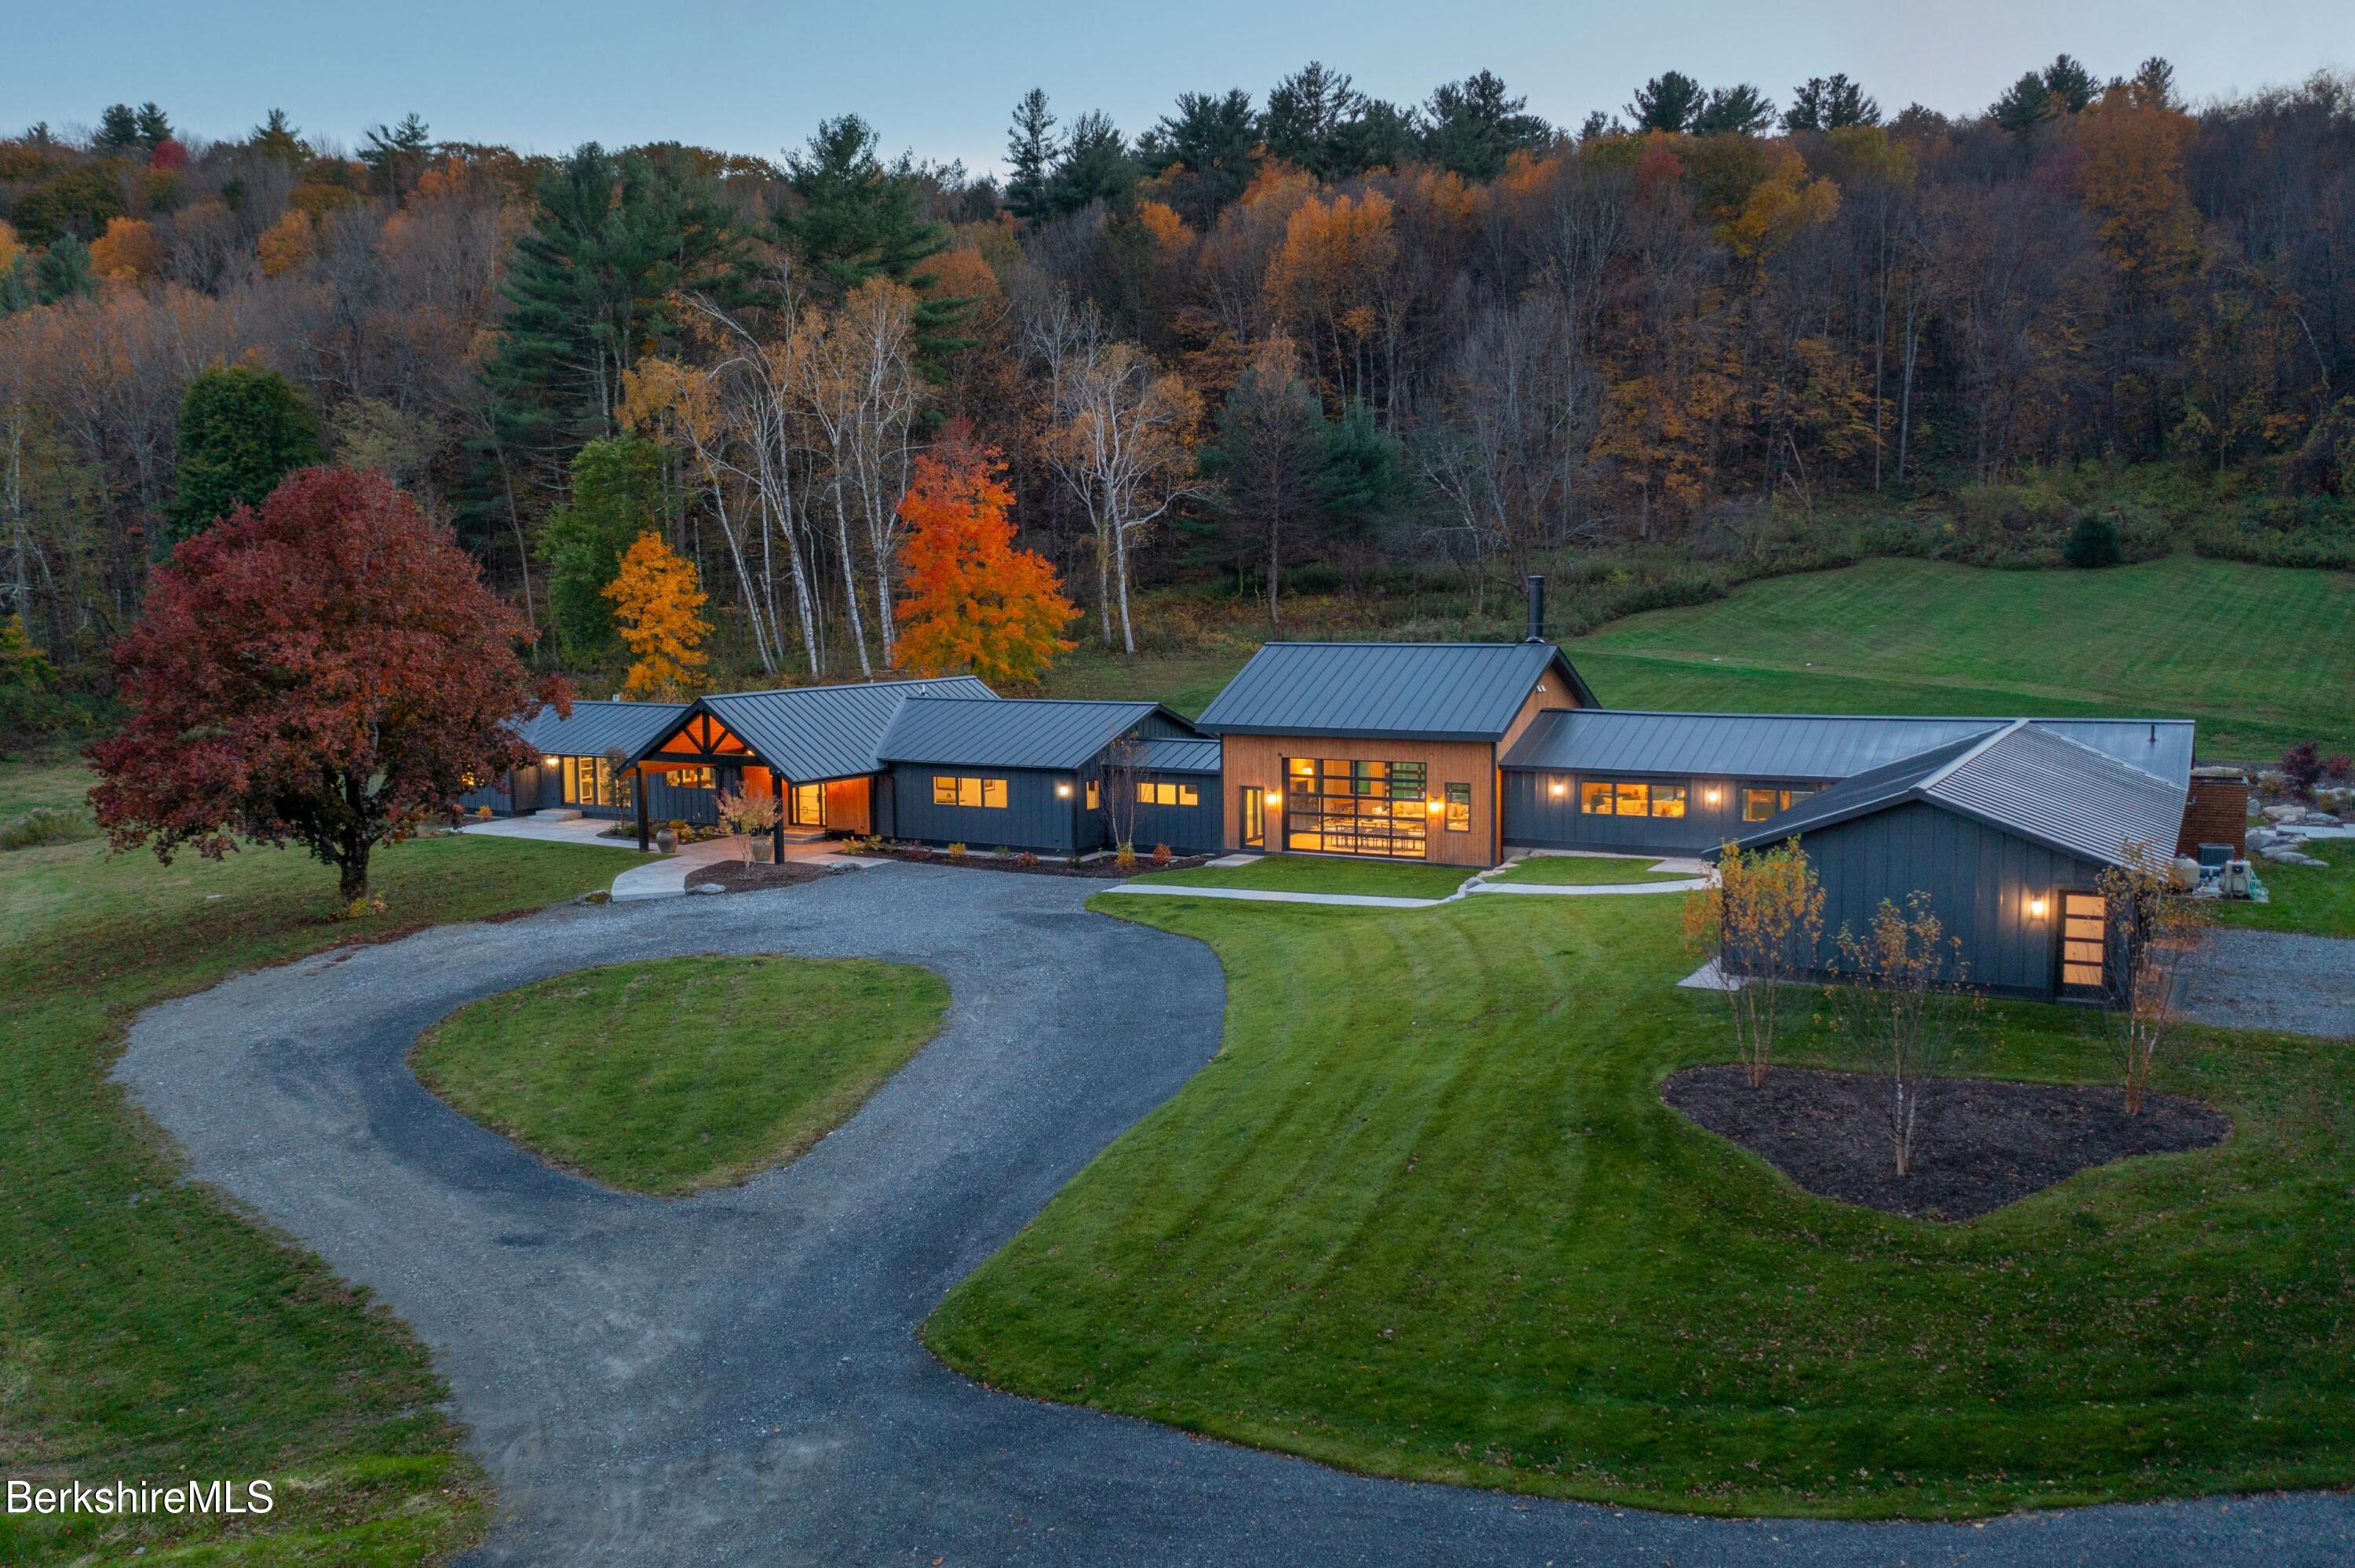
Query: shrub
{"points": [[918, 852], [1161, 855], [2301, 767], [2339, 765], [2093, 543], [956, 852], [1026, 860], [45, 825]]}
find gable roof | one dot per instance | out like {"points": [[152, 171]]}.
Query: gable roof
{"points": [[1014, 732], [811, 733], [2024, 778], [1807, 748], [1411, 691], [593, 728]]}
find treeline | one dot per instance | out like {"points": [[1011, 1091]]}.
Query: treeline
{"points": [[1264, 333]]}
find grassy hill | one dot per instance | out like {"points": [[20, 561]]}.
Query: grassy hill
{"points": [[2261, 656]]}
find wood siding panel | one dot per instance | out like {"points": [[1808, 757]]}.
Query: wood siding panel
{"points": [[1256, 761], [847, 806]]}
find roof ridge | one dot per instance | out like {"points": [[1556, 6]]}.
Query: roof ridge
{"points": [[1946, 773], [1391, 643], [1076, 702]]}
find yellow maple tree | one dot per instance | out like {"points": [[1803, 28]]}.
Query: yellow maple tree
{"points": [[284, 245], [128, 251], [658, 603]]}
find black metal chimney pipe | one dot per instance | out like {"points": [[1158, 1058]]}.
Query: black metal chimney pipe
{"points": [[1537, 608]]}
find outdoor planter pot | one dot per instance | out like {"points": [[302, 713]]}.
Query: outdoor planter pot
{"points": [[666, 841], [764, 852]]}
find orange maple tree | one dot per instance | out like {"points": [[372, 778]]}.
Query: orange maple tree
{"points": [[659, 607], [974, 601]]}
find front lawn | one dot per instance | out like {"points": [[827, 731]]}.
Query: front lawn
{"points": [[149, 1333], [1425, 1215], [1587, 871], [2315, 900], [674, 1073], [1322, 874]]}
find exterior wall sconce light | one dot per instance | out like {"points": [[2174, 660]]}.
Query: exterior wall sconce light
{"points": [[2039, 906], [1557, 788], [1062, 788], [547, 762], [1435, 807], [1712, 795], [1275, 797]]}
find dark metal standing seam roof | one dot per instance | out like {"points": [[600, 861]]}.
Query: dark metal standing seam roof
{"points": [[1796, 748], [1167, 756], [1014, 732], [811, 733], [2023, 778], [1412, 691], [593, 728]]}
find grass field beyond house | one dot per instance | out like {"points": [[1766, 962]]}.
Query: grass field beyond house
{"points": [[1317, 874], [1586, 871], [674, 1073], [2259, 655], [1425, 1215], [148, 1334]]}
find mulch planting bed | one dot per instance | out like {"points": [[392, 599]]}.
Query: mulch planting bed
{"points": [[1984, 1142], [737, 877]]}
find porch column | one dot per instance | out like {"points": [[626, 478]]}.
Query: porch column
{"points": [[777, 834], [641, 793]]}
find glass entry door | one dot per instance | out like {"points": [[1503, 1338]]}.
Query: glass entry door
{"points": [[1254, 806], [2085, 942]]}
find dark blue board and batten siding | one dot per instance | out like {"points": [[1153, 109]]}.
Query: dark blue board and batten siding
{"points": [[1536, 818], [1033, 818], [1979, 880]]}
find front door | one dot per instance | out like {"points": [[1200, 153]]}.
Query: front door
{"points": [[1254, 817]]}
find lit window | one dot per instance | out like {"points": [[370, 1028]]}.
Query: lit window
{"points": [[1634, 799], [1095, 797], [948, 789], [2085, 938], [1153, 793], [1595, 799], [1667, 800], [1189, 796], [1459, 807]]}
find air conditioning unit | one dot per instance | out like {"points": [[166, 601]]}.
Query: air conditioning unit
{"points": [[2235, 882]]}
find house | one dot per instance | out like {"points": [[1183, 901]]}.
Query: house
{"points": [[1454, 753], [1387, 749]]}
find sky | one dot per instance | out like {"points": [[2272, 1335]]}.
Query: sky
{"points": [[747, 77]]}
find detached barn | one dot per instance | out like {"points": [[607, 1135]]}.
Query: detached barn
{"points": [[2007, 832]]}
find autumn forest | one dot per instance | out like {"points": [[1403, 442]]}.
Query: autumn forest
{"points": [[1298, 342]]}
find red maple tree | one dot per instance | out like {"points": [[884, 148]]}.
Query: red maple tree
{"points": [[329, 672]]}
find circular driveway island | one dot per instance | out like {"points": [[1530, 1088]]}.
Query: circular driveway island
{"points": [[735, 1378]]}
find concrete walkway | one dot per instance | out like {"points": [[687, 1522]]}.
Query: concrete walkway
{"points": [[734, 1378], [1478, 882], [670, 876]]}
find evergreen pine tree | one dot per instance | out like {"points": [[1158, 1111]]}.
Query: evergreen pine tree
{"points": [[857, 217], [616, 496], [118, 128], [155, 128], [1472, 126], [243, 429], [1031, 157]]}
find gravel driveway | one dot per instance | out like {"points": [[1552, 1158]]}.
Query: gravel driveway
{"points": [[2272, 979], [734, 1378]]}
